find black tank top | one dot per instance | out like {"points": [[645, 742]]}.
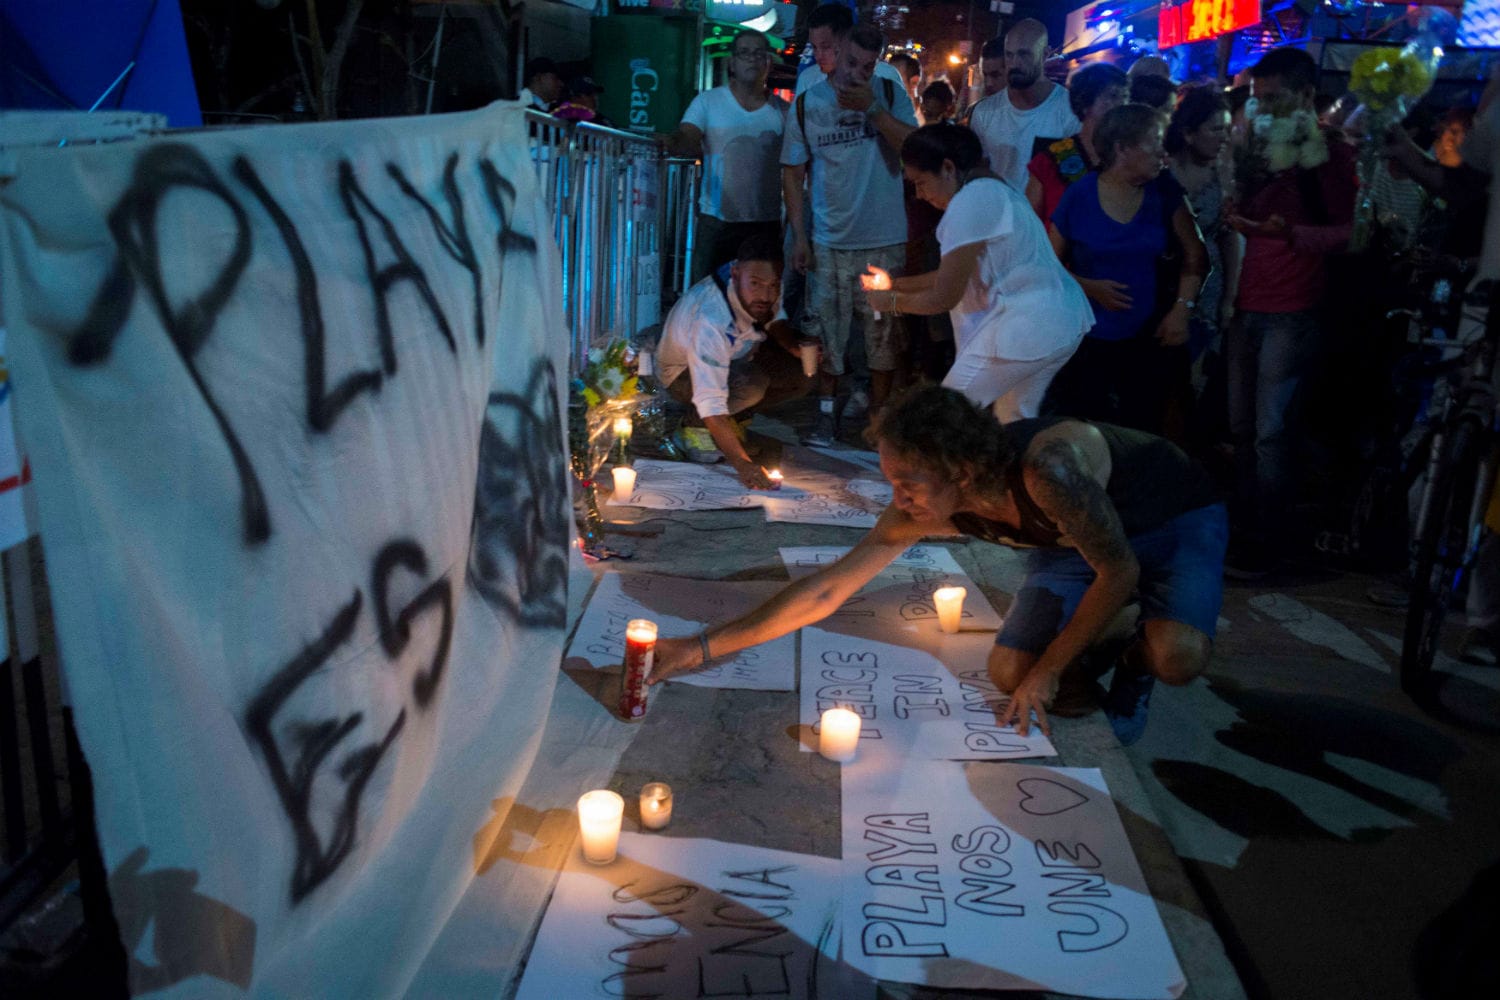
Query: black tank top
{"points": [[1151, 481]]}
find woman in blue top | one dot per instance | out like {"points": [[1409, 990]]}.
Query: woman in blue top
{"points": [[1114, 229]]}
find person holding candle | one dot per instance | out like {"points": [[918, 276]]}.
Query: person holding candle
{"points": [[1017, 313], [713, 356], [1108, 513]]}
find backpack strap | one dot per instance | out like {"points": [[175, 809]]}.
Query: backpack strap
{"points": [[801, 103]]}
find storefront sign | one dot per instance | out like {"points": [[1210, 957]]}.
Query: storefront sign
{"points": [[1198, 20], [658, 6]]}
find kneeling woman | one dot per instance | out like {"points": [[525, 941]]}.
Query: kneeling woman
{"points": [[1017, 315], [1109, 514]]}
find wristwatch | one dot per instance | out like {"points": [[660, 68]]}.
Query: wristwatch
{"points": [[1190, 303]]}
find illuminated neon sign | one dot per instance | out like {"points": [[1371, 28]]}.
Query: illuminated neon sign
{"points": [[1198, 20]]}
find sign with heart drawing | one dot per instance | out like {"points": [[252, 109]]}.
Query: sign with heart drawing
{"points": [[997, 877]]}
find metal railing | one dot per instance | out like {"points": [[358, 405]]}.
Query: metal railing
{"points": [[623, 220]]}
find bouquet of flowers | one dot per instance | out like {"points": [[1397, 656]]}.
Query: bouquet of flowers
{"points": [[605, 391], [1278, 139], [1387, 81]]}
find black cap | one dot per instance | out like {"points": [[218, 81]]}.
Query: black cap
{"points": [[584, 85], [536, 67]]}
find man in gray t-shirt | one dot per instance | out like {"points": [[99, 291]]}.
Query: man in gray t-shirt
{"points": [[847, 130]]}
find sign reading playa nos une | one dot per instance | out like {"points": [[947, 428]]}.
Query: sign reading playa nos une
{"points": [[1199, 20]]}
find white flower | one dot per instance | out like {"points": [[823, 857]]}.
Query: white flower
{"points": [[1282, 130], [610, 383], [1260, 124], [596, 355], [1281, 156], [1312, 153]]}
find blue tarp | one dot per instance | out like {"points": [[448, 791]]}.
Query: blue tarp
{"points": [[64, 54]]}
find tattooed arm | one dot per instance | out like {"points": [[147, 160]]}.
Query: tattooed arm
{"points": [[1065, 470]]}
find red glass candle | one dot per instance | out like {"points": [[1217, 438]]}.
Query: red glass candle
{"points": [[640, 650]]}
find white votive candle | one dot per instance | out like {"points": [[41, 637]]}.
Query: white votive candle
{"points": [[656, 805], [624, 480], [776, 478], [838, 734], [623, 427], [950, 606], [599, 814]]}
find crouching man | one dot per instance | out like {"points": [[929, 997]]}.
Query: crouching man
{"points": [[714, 354], [1108, 514]]}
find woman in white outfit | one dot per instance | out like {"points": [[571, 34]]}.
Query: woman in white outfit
{"points": [[1017, 314]]}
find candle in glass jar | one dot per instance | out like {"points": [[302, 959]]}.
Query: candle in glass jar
{"points": [[623, 427], [950, 606], [838, 734], [599, 814], [775, 477], [656, 805], [624, 481], [640, 650]]}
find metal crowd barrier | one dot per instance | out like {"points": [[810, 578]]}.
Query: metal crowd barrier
{"points": [[622, 217]]}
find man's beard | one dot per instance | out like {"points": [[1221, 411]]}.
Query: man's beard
{"points": [[1020, 78], [760, 313]]}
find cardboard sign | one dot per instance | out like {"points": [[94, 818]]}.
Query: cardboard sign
{"points": [[900, 596], [693, 918], [682, 607], [934, 703], [998, 876]]}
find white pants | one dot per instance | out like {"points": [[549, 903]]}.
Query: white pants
{"points": [[1012, 389]]}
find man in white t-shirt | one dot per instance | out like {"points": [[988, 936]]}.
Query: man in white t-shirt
{"points": [[847, 131], [713, 354], [1030, 107], [736, 129], [827, 26]]}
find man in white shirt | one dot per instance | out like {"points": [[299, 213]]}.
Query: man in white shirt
{"points": [[713, 356], [1030, 107], [847, 130], [736, 129], [827, 26]]}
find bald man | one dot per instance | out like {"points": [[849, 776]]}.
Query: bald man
{"points": [[1030, 107]]}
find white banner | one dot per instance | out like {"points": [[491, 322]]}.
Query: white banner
{"points": [[998, 876], [293, 397], [692, 918]]}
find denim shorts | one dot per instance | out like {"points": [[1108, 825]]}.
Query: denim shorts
{"points": [[1182, 580]]}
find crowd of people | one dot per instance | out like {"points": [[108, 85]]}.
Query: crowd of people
{"points": [[1130, 284]]}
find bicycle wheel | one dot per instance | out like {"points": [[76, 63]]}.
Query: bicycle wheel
{"points": [[1438, 568]]}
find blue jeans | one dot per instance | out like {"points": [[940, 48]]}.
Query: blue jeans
{"points": [[1182, 580], [1270, 357]]}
